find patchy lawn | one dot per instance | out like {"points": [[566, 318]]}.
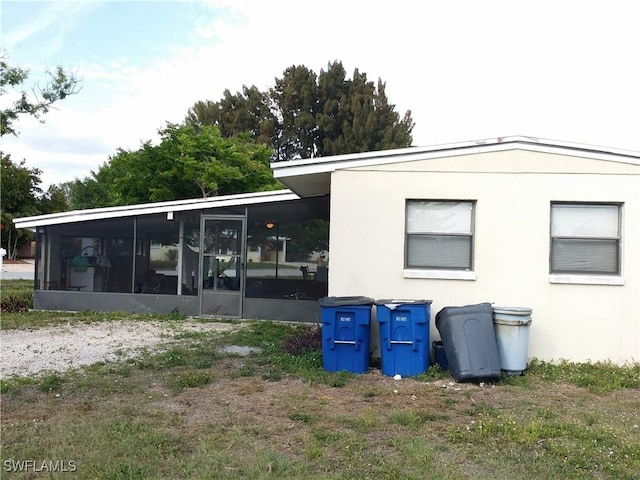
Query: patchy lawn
{"points": [[189, 408]]}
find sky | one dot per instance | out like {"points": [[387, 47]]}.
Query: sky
{"points": [[466, 69]]}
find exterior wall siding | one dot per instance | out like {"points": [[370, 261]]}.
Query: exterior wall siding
{"points": [[513, 191]]}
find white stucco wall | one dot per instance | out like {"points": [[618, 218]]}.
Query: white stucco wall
{"points": [[513, 191]]}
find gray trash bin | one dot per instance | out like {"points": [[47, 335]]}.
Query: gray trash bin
{"points": [[512, 326], [469, 341]]}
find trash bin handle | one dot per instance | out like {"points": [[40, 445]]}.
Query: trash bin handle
{"points": [[356, 344]]}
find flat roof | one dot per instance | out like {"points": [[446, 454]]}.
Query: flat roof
{"points": [[73, 216], [312, 176]]}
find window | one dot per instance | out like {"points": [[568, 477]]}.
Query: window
{"points": [[439, 235], [585, 238]]}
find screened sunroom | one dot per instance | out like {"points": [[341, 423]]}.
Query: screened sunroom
{"points": [[258, 255]]}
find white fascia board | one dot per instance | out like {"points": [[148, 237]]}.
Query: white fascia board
{"points": [[151, 208], [312, 166]]}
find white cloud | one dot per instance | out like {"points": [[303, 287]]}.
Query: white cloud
{"points": [[466, 70]]}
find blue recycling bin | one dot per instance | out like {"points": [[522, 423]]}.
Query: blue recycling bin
{"points": [[346, 333], [404, 336], [439, 355]]}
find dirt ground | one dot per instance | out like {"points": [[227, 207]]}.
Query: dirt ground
{"points": [[60, 348]]}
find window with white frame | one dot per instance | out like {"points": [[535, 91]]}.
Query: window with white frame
{"points": [[439, 234], [585, 238]]}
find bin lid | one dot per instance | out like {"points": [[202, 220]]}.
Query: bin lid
{"points": [[345, 301], [516, 316], [402, 301]]}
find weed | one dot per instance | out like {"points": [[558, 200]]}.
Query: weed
{"points": [[50, 383], [272, 375], [324, 436], [301, 417], [16, 303], [403, 417], [338, 379], [15, 384], [176, 315], [306, 338], [434, 372], [192, 379], [246, 370]]}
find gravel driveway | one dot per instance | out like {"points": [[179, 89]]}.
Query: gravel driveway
{"points": [[60, 348]]}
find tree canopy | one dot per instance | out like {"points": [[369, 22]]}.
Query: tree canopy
{"points": [[307, 115], [189, 162], [22, 196], [225, 147], [60, 85]]}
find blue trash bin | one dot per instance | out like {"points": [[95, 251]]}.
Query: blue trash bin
{"points": [[346, 333], [439, 355], [404, 336]]}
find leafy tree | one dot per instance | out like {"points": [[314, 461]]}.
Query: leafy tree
{"points": [[295, 97], [307, 115], [20, 187], [60, 85], [188, 162], [246, 111], [21, 196], [55, 199]]}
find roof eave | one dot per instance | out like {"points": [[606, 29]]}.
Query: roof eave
{"points": [[154, 208], [304, 176]]}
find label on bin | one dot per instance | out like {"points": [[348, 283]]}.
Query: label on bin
{"points": [[345, 319], [401, 318]]}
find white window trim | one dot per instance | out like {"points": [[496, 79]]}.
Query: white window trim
{"points": [[586, 279], [590, 278], [443, 273], [439, 274]]}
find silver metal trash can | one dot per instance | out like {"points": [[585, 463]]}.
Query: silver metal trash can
{"points": [[512, 327]]}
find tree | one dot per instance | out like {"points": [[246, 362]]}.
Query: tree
{"points": [[60, 85], [20, 187], [188, 162], [234, 114], [295, 97], [21, 196], [307, 115]]}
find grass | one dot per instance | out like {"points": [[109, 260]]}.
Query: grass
{"points": [[191, 411], [12, 287]]}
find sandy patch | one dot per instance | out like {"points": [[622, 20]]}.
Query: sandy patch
{"points": [[63, 347]]}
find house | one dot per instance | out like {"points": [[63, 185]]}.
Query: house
{"points": [[239, 256], [516, 221]]}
